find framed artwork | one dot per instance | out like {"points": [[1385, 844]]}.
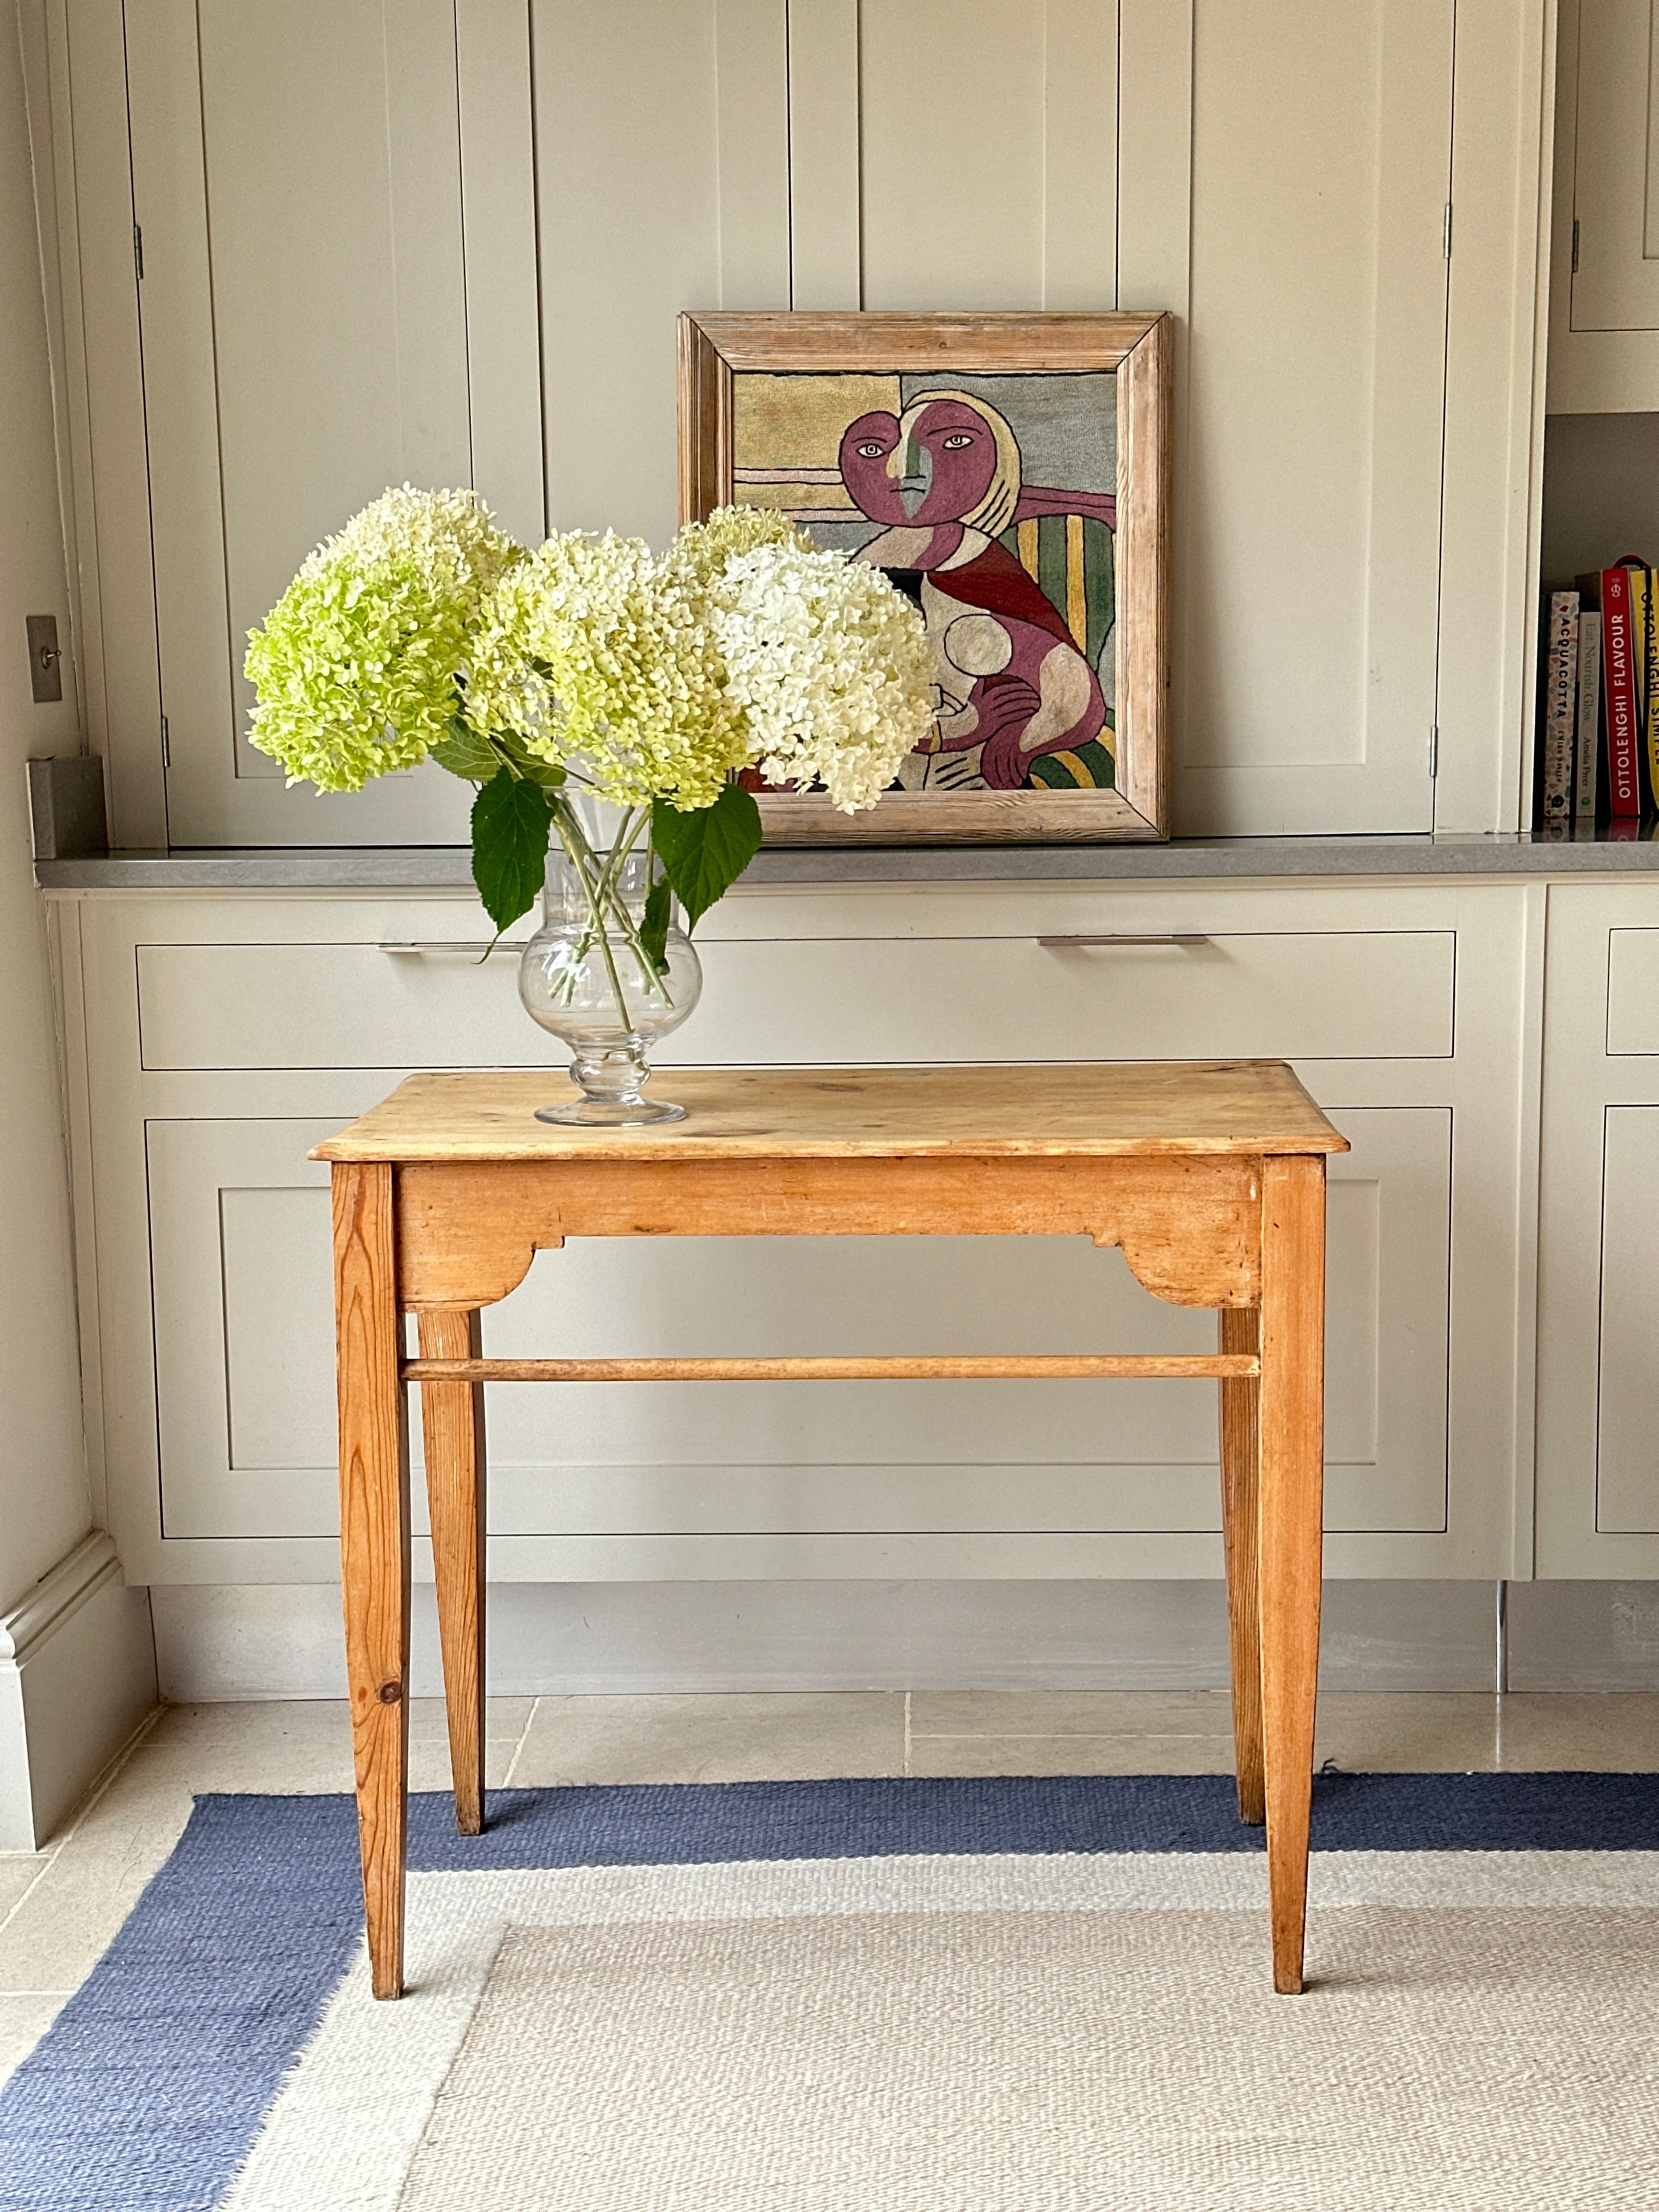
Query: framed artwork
{"points": [[1011, 474]]}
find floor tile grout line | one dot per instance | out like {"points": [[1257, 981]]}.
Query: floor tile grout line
{"points": [[524, 1737], [1061, 1735], [19, 1902], [100, 1788]]}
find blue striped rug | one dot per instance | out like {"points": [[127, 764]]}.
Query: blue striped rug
{"points": [[155, 2086]]}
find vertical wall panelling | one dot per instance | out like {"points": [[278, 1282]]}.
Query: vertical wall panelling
{"points": [[296, 170], [952, 139], [1308, 542], [322, 316], [1154, 164], [186, 493], [1080, 132], [498, 229], [628, 209], [825, 219], [752, 44], [367, 272], [88, 59], [1020, 214], [1495, 341], [349, 113]]}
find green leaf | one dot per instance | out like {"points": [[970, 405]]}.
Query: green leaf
{"points": [[466, 754], [653, 925], [510, 829], [529, 765], [704, 853]]}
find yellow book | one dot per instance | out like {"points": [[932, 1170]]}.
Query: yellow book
{"points": [[1649, 751], [1640, 625]]}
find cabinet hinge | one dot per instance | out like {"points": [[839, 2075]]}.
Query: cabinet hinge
{"points": [[1434, 751], [1575, 245], [167, 749], [1445, 233], [138, 251]]}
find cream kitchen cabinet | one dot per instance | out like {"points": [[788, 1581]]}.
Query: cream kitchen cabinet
{"points": [[1604, 304], [216, 1037], [1598, 1373]]}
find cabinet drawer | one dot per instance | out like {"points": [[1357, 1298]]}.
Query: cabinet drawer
{"points": [[1292, 995], [1632, 991]]}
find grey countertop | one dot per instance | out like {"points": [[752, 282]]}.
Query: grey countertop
{"points": [[447, 867]]}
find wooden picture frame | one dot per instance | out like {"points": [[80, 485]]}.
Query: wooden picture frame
{"points": [[912, 356]]}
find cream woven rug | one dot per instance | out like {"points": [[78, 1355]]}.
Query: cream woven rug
{"points": [[1074, 2061]]}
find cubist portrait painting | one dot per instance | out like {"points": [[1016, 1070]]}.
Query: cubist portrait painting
{"points": [[991, 502]]}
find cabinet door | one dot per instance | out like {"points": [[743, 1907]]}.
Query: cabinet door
{"points": [[1627, 1373], [746, 1478], [1615, 171], [338, 292], [1604, 255], [1598, 1399], [1313, 277]]}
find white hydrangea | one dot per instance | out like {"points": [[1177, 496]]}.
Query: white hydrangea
{"points": [[830, 666]]}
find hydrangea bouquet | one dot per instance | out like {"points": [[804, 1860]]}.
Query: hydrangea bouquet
{"points": [[592, 667]]}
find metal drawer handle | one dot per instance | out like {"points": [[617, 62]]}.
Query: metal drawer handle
{"points": [[436, 948], [1169, 937]]}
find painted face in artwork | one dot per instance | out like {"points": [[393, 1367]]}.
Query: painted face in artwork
{"points": [[871, 466], [949, 457], [933, 465]]}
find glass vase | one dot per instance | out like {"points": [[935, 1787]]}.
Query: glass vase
{"points": [[587, 976]]}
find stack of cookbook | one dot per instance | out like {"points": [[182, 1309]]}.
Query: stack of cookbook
{"points": [[1598, 750]]}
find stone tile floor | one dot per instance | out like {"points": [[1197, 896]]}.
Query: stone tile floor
{"points": [[59, 1907]]}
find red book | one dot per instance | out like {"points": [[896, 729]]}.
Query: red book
{"points": [[1618, 644]]}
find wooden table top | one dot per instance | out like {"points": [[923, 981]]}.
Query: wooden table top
{"points": [[1149, 1108]]}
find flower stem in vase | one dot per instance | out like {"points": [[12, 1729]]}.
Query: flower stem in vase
{"points": [[586, 862]]}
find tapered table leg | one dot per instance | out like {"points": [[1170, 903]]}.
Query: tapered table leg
{"points": [[453, 1428], [1240, 1444], [1292, 1483], [375, 1545]]}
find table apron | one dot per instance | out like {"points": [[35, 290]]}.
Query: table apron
{"points": [[1189, 1225]]}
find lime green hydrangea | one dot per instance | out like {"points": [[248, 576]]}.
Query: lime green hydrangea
{"points": [[595, 652], [702, 550], [354, 667]]}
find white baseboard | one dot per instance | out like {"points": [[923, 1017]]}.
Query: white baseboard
{"points": [[77, 1674], [285, 1640]]}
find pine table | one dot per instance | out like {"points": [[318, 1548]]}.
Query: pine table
{"points": [[1211, 1176]]}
